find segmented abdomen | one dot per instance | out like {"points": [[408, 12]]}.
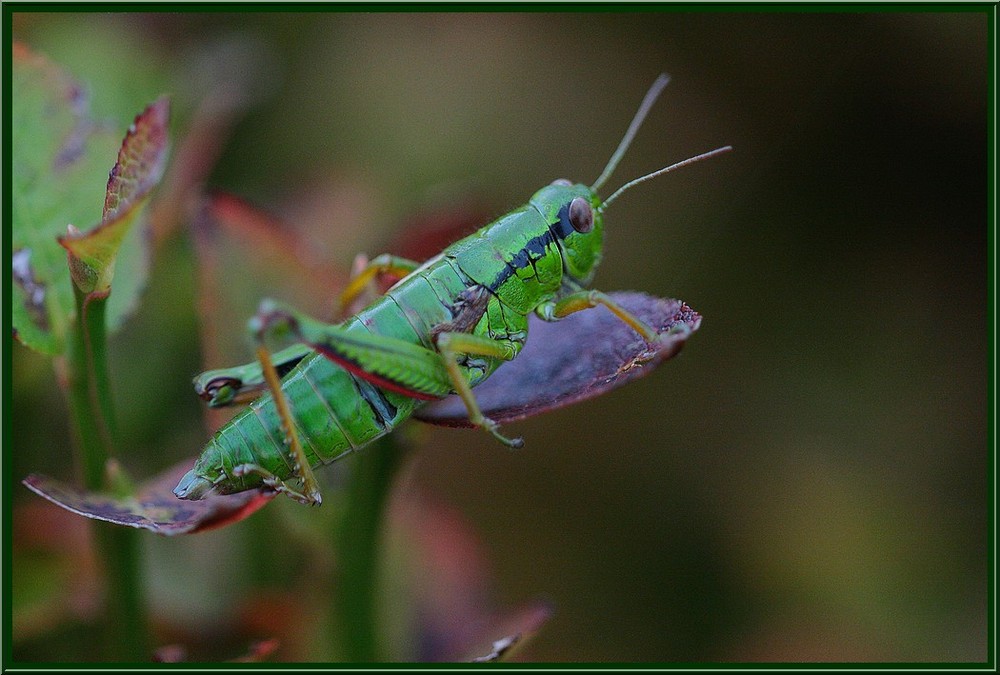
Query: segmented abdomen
{"points": [[334, 413]]}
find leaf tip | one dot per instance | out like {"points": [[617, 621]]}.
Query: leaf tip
{"points": [[141, 160]]}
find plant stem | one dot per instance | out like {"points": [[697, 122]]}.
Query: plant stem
{"points": [[358, 546], [90, 401], [126, 633], [126, 636]]}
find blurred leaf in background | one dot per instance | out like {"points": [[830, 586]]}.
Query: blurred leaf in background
{"points": [[59, 176]]}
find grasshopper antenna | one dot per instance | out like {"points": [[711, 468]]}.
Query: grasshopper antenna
{"points": [[640, 115], [660, 172]]}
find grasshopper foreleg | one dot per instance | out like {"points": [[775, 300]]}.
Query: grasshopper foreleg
{"points": [[580, 300]]}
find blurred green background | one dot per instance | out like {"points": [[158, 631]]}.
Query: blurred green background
{"points": [[808, 481]]}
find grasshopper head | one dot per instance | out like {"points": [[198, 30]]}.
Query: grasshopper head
{"points": [[577, 211], [577, 225], [576, 214]]}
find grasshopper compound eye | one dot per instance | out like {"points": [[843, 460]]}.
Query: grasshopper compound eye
{"points": [[562, 182], [581, 216]]}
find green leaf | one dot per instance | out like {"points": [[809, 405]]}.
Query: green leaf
{"points": [[59, 169], [60, 162]]}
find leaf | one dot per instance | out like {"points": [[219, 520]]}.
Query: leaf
{"points": [[256, 652], [140, 165], [60, 160], [499, 648], [153, 507], [54, 562], [454, 614], [59, 166], [520, 625], [587, 354], [244, 253]]}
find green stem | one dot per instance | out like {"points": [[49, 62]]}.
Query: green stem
{"points": [[126, 635], [126, 632], [93, 417], [358, 546]]}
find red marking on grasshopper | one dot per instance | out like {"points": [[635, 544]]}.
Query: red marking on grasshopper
{"points": [[355, 369]]}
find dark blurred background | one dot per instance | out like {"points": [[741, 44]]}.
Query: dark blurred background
{"points": [[807, 481]]}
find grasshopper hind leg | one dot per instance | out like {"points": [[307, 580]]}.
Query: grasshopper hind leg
{"points": [[272, 482], [260, 325]]}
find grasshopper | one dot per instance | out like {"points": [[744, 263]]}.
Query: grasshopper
{"points": [[442, 329]]}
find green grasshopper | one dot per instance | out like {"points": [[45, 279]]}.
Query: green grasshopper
{"points": [[442, 329]]}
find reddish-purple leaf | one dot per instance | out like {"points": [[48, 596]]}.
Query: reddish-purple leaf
{"points": [[140, 164], [582, 356], [518, 627], [153, 507], [427, 231], [141, 160], [244, 253], [170, 654], [258, 651], [458, 617]]}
